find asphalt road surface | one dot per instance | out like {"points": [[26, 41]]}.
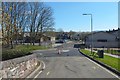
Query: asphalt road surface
{"points": [[70, 64]]}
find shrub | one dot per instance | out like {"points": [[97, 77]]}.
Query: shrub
{"points": [[19, 51], [10, 54]]}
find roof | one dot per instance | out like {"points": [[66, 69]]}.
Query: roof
{"points": [[100, 32], [109, 32], [112, 31]]}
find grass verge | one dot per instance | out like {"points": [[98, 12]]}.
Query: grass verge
{"points": [[108, 60], [19, 51], [117, 52]]}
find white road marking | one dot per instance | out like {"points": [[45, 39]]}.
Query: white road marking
{"points": [[65, 50], [38, 74], [48, 73], [41, 70], [34, 72], [43, 64], [104, 68]]}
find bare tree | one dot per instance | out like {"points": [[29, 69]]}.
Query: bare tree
{"points": [[18, 17], [22, 19], [11, 21], [41, 20]]}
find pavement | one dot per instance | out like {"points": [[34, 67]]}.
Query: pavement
{"points": [[112, 55], [115, 56], [70, 64]]}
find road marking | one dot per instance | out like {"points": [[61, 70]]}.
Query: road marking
{"points": [[34, 72], [104, 68], [41, 70], [38, 74], [48, 73], [65, 50], [43, 64]]}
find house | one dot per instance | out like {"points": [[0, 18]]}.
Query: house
{"points": [[103, 39], [45, 38]]}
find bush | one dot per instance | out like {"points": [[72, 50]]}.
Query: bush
{"points": [[19, 51], [10, 54]]}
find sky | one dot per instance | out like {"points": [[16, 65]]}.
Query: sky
{"points": [[68, 15]]}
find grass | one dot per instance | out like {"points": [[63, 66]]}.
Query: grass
{"points": [[29, 47], [87, 52], [19, 51], [111, 61], [108, 60], [112, 51]]}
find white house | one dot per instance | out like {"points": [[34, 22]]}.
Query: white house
{"points": [[102, 39]]}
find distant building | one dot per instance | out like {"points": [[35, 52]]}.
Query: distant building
{"points": [[62, 35], [108, 39], [45, 38], [76, 36]]}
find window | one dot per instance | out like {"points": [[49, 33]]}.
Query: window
{"points": [[102, 40]]}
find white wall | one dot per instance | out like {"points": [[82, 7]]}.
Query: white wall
{"points": [[101, 44], [111, 40]]}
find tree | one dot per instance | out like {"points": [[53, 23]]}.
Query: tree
{"points": [[21, 17], [41, 20], [11, 23]]}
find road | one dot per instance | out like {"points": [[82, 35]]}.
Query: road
{"points": [[70, 64]]}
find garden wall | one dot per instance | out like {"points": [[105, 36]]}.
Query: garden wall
{"points": [[18, 67]]}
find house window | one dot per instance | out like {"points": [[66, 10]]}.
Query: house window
{"points": [[102, 40]]}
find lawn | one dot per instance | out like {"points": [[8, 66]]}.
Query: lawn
{"points": [[112, 51], [29, 47], [108, 60], [19, 51]]}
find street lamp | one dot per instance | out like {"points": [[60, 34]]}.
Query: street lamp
{"points": [[91, 30]]}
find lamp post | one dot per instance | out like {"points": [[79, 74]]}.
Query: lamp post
{"points": [[91, 20]]}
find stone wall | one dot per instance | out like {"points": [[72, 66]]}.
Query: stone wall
{"points": [[18, 67]]}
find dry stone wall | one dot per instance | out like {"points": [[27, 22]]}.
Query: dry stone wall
{"points": [[18, 67]]}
